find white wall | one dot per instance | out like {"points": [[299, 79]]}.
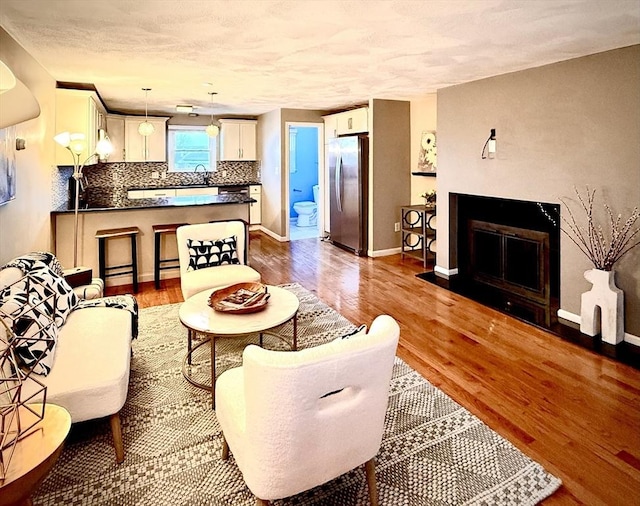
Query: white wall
{"points": [[24, 222], [423, 119], [270, 155]]}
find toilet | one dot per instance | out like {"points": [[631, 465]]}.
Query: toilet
{"points": [[308, 211]]}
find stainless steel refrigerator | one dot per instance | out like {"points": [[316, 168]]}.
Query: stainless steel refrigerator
{"points": [[348, 169]]}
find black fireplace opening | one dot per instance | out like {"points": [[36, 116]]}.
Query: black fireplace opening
{"points": [[508, 254]]}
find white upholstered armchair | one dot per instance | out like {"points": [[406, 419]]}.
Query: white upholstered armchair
{"points": [[296, 420], [203, 245]]}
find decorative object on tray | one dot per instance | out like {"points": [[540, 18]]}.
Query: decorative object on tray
{"points": [[428, 156], [240, 298], [603, 248]]}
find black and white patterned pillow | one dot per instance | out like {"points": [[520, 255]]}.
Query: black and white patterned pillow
{"points": [[33, 326], [66, 300], [26, 262], [362, 329], [36, 337], [212, 253], [41, 269]]}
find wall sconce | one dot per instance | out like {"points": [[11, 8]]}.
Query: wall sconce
{"points": [[489, 148], [21, 144]]}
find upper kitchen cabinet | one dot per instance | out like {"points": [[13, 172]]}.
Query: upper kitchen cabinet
{"points": [[355, 121], [237, 140], [330, 127], [140, 148], [115, 130], [79, 111]]}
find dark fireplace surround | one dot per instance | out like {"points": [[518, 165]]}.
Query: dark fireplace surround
{"points": [[508, 254]]}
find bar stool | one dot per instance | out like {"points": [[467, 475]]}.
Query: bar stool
{"points": [[113, 233], [158, 231]]}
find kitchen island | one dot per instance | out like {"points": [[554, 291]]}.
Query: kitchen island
{"points": [[142, 213]]}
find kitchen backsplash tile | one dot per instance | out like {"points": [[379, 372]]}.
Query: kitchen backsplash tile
{"points": [[109, 182]]}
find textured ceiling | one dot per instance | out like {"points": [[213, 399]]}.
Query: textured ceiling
{"points": [[263, 55]]}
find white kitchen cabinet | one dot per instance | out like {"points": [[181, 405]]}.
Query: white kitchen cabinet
{"points": [[78, 111], [115, 131], [140, 148], [353, 122], [151, 193], [330, 127], [190, 192], [135, 194], [237, 140], [255, 209]]}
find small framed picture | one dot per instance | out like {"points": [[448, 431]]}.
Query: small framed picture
{"points": [[428, 158]]}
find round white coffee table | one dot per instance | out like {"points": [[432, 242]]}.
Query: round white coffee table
{"points": [[197, 316]]}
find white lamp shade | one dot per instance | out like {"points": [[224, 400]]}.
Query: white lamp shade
{"points": [[76, 144], [212, 130], [73, 142], [64, 139], [145, 128], [104, 148]]}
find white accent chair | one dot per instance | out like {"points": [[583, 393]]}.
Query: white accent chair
{"points": [[296, 420], [194, 281]]}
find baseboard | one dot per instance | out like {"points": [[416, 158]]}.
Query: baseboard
{"points": [[383, 252], [575, 318], [272, 234], [445, 272], [566, 315]]}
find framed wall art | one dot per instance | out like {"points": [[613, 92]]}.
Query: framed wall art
{"points": [[7, 164], [428, 157]]}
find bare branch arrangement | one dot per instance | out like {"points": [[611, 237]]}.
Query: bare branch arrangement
{"points": [[603, 250]]}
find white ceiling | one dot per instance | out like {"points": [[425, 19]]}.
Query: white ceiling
{"points": [[263, 55]]}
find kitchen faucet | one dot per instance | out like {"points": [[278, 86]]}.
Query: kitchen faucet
{"points": [[205, 175]]}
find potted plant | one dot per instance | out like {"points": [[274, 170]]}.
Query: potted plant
{"points": [[604, 246], [429, 197]]}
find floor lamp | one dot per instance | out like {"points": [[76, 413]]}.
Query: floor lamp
{"points": [[75, 143]]}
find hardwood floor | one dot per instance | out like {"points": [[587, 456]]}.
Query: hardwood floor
{"points": [[573, 411]]}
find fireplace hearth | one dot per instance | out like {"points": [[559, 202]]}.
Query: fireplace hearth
{"points": [[508, 255], [508, 258]]}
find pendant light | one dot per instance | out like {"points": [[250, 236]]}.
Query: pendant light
{"points": [[212, 129], [145, 128]]}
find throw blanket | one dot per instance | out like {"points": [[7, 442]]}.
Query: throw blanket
{"points": [[126, 302]]}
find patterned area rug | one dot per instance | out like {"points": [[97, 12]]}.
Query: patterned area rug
{"points": [[434, 452]]}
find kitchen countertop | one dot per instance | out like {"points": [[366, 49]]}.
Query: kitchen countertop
{"points": [[139, 204]]}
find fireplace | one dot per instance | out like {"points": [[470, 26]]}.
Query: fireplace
{"points": [[508, 254]]}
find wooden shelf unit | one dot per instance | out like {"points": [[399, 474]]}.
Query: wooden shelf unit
{"points": [[418, 229]]}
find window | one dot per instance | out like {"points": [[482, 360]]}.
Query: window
{"points": [[190, 146]]}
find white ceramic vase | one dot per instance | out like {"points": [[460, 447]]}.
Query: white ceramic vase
{"points": [[604, 294]]}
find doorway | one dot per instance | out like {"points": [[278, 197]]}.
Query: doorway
{"points": [[304, 173]]}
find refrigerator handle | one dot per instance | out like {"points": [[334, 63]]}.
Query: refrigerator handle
{"points": [[339, 182]]}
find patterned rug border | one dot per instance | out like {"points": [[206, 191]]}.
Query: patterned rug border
{"points": [[434, 451]]}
